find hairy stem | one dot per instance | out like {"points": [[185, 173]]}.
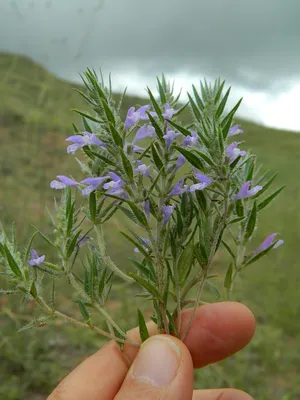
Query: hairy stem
{"points": [[40, 301], [105, 257], [107, 317]]}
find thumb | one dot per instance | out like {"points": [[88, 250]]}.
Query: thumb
{"points": [[162, 369]]}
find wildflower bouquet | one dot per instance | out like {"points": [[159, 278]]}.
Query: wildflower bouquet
{"points": [[188, 188]]}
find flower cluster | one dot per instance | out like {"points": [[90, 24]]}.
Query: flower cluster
{"points": [[188, 188]]}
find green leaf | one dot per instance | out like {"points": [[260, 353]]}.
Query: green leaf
{"points": [[226, 123], [102, 282], [228, 277], [268, 200], [214, 289], [185, 263], [146, 285], [109, 114], [155, 105], [143, 269], [28, 248], [86, 125], [236, 220], [266, 186], [87, 116], [38, 323], [5, 292], [33, 290], [228, 249], [93, 206], [116, 136], [84, 311], [12, 263], [219, 92], [161, 91], [127, 166], [157, 128], [191, 157], [180, 128], [153, 185], [140, 215], [251, 222], [198, 98], [221, 139], [103, 158], [195, 109], [259, 255], [72, 244], [235, 163], [137, 244], [70, 218], [156, 158], [201, 200], [222, 104], [144, 333], [179, 222], [239, 208], [249, 169], [200, 253], [205, 158]]}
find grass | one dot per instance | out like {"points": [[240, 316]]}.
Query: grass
{"points": [[35, 118]]}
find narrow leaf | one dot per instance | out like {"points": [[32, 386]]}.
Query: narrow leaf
{"points": [[146, 285], [144, 333], [228, 277], [268, 200], [251, 222], [192, 158], [12, 263]]}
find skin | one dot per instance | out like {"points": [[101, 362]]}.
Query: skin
{"points": [[218, 331]]}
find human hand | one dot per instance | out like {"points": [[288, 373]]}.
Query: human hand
{"points": [[163, 367]]}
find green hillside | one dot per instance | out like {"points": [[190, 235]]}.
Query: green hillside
{"points": [[35, 118]]}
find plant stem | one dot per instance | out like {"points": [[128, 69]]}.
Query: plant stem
{"points": [[107, 317], [218, 232], [40, 301], [200, 288], [105, 257]]}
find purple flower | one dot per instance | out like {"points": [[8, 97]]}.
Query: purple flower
{"points": [[115, 185], [64, 182], [180, 161], [167, 212], [83, 140], [146, 205], [269, 242], [36, 260], [144, 132], [190, 140], [204, 181], [169, 111], [129, 147], [178, 189], [169, 137], [133, 116], [245, 192], [233, 152], [82, 239], [142, 169], [93, 183], [146, 241], [235, 130]]}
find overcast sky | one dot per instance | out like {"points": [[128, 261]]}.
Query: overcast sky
{"points": [[253, 44]]}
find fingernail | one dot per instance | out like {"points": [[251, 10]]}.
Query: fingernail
{"points": [[157, 361]]}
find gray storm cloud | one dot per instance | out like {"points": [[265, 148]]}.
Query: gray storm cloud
{"points": [[252, 43]]}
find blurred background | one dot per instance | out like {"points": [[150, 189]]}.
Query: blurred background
{"points": [[44, 46]]}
